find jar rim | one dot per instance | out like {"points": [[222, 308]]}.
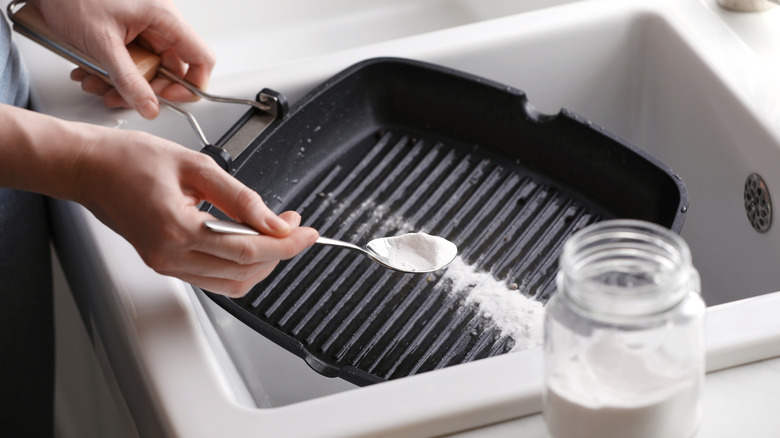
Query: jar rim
{"points": [[625, 267]]}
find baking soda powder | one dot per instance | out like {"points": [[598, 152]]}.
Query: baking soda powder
{"points": [[516, 315], [418, 251], [610, 391]]}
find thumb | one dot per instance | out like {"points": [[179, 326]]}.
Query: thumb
{"points": [[128, 80]]}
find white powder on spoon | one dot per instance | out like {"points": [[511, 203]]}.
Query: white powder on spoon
{"points": [[414, 252], [516, 315]]}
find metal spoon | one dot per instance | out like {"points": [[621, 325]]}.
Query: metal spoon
{"points": [[412, 253]]}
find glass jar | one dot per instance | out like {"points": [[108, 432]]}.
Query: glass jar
{"points": [[624, 344]]}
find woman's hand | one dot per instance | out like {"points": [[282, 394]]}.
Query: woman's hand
{"points": [[102, 29], [148, 189]]}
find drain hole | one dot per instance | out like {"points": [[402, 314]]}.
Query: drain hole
{"points": [[758, 204]]}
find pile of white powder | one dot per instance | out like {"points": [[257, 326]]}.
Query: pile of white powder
{"points": [[417, 252], [516, 315]]}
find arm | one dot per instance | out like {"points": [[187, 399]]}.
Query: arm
{"points": [[147, 189]]}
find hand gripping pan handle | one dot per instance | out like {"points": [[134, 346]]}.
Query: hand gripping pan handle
{"points": [[28, 21]]}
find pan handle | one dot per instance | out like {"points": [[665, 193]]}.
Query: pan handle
{"points": [[29, 22]]}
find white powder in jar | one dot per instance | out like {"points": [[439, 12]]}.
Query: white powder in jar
{"points": [[516, 315], [590, 396]]}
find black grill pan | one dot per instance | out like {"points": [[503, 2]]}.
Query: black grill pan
{"points": [[391, 146]]}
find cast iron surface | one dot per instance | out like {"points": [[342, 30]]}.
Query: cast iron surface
{"points": [[391, 146]]}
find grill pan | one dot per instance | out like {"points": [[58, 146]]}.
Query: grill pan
{"points": [[391, 145]]}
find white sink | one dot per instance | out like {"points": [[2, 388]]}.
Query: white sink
{"points": [[252, 35], [666, 74]]}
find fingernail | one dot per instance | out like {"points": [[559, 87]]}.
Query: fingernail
{"points": [[314, 236], [294, 220], [278, 224], [148, 109]]}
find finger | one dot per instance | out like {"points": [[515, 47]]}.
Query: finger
{"points": [[182, 51], [78, 74], [230, 288], [172, 91], [112, 99], [177, 93], [190, 49], [237, 200], [208, 265], [95, 85], [127, 79], [246, 250], [197, 75], [89, 82], [292, 218]]}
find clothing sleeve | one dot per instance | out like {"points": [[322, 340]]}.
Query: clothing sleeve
{"points": [[14, 82]]}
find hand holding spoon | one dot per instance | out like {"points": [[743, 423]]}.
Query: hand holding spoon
{"points": [[412, 253]]}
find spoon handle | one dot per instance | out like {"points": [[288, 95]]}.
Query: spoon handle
{"points": [[341, 244], [228, 227]]}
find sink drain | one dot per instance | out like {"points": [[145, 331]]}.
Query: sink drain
{"points": [[758, 204]]}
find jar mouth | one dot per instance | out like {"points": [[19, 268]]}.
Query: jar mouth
{"points": [[625, 267]]}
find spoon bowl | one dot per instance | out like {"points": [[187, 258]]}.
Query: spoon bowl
{"points": [[411, 253]]}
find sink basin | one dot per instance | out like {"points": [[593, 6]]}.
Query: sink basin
{"points": [[667, 75], [251, 35], [624, 65]]}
